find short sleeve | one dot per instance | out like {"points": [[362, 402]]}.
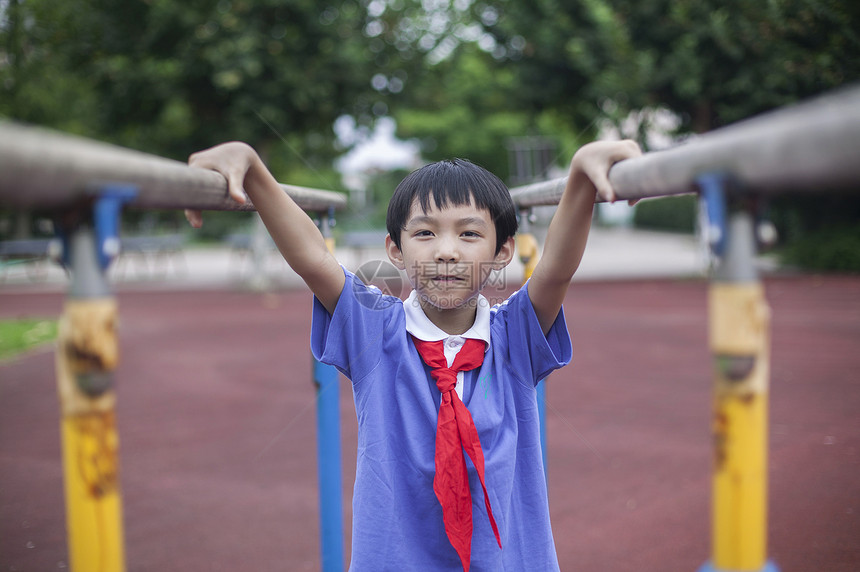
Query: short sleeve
{"points": [[351, 339], [517, 333]]}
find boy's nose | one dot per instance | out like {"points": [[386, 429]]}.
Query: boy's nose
{"points": [[446, 251]]}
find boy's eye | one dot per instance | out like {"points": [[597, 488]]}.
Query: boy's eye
{"points": [[471, 234], [423, 233]]}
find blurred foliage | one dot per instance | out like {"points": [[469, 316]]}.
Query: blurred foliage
{"points": [[831, 250], [380, 188], [174, 77], [820, 232], [673, 214], [171, 78], [452, 92], [462, 76], [462, 107], [712, 62]]}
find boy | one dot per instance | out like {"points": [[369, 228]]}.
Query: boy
{"points": [[441, 373]]}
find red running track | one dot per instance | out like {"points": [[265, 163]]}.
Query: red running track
{"points": [[216, 419]]}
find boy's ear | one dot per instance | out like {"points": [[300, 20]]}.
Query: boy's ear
{"points": [[394, 254], [505, 255]]}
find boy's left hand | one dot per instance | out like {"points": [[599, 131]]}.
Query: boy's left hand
{"points": [[233, 160], [595, 159]]}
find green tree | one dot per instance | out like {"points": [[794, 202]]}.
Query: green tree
{"points": [[173, 77], [459, 108], [449, 88], [712, 62]]}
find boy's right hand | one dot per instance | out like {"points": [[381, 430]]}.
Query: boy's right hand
{"points": [[595, 159], [233, 160]]}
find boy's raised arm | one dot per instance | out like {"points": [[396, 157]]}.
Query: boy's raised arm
{"points": [[568, 231], [295, 234]]}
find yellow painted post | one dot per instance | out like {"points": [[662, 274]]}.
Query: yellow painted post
{"points": [[527, 248], [87, 355], [740, 344]]}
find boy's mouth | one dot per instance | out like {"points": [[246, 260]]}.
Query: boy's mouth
{"points": [[447, 279]]}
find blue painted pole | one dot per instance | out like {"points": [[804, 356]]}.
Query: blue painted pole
{"points": [[329, 467], [326, 379]]}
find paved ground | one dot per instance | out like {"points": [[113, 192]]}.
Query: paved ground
{"points": [[216, 417]]}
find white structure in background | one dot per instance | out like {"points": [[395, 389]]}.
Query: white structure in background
{"points": [[657, 124], [371, 153]]}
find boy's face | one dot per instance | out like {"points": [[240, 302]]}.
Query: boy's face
{"points": [[448, 253]]}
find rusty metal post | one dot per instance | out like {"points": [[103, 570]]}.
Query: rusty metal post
{"points": [[740, 344], [527, 245], [87, 355]]}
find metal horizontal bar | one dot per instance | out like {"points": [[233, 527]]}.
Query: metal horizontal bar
{"points": [[43, 169], [808, 147]]}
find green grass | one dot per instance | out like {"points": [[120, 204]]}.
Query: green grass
{"points": [[17, 336]]}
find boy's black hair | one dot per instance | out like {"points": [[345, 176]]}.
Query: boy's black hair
{"points": [[454, 181]]}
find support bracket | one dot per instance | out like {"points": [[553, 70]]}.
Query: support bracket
{"points": [[713, 192], [104, 215], [106, 218]]}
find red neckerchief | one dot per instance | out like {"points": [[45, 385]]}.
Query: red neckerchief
{"points": [[455, 431]]}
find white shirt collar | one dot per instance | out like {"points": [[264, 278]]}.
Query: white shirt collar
{"points": [[420, 326]]}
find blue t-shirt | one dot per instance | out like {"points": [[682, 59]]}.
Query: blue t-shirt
{"points": [[397, 519]]}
